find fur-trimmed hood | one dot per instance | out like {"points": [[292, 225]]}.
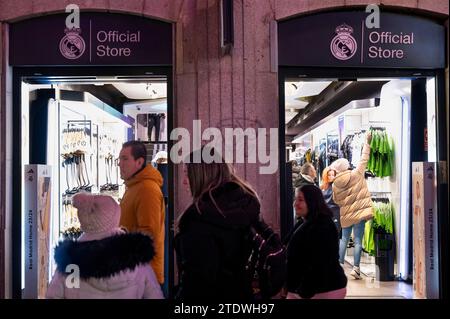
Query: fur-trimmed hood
{"points": [[106, 257]]}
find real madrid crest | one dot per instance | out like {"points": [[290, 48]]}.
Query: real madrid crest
{"points": [[343, 46], [72, 45]]}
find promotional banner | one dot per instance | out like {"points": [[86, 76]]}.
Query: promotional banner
{"points": [[37, 230], [425, 231]]}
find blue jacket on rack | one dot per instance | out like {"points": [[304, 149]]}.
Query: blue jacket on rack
{"points": [[328, 196]]}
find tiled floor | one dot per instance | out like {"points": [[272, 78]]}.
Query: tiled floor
{"points": [[368, 288], [367, 264]]}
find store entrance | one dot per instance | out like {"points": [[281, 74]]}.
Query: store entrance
{"points": [[325, 118], [71, 124]]}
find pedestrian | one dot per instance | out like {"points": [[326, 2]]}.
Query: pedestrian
{"points": [[351, 194], [313, 269], [111, 263], [307, 175], [143, 207], [212, 241]]}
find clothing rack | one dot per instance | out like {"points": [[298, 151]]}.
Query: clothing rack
{"points": [[380, 194], [381, 200], [381, 197]]}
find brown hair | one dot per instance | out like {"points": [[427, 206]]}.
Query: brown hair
{"points": [[138, 150], [307, 168], [205, 177]]}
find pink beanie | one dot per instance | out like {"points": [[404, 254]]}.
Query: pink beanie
{"points": [[340, 165], [97, 213]]}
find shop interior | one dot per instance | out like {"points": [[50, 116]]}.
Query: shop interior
{"points": [[328, 119], [76, 127]]}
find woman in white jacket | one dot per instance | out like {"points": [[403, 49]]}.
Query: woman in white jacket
{"points": [[110, 263], [351, 194]]}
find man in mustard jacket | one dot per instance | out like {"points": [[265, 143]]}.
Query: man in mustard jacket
{"points": [[142, 204]]}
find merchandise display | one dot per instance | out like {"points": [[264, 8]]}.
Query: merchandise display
{"points": [[352, 146], [381, 161], [79, 140], [90, 149], [382, 223]]}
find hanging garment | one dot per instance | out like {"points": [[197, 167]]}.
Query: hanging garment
{"points": [[154, 122], [333, 147], [356, 146], [381, 161], [346, 148], [308, 156], [162, 128], [382, 223], [141, 127], [142, 119], [322, 162], [368, 240]]}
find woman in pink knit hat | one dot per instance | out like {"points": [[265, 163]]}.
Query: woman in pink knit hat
{"points": [[110, 263], [351, 194]]}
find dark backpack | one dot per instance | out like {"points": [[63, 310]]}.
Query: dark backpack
{"points": [[266, 264]]}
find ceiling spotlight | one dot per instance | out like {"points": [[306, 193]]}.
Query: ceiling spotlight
{"points": [[291, 89]]}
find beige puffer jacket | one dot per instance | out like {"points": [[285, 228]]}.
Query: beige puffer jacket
{"points": [[351, 194]]}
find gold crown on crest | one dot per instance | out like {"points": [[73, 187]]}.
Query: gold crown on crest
{"points": [[72, 31], [344, 29]]}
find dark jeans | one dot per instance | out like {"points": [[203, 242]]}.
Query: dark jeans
{"points": [[153, 121]]}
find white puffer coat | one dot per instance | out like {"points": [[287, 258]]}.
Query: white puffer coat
{"points": [[115, 267], [351, 194]]}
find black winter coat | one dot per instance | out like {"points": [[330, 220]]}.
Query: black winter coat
{"points": [[328, 197], [313, 259], [213, 249], [302, 181]]}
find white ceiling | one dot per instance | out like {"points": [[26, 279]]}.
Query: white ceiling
{"points": [[149, 106], [289, 116], [295, 90], [142, 91]]}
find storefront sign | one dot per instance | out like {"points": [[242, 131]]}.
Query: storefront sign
{"points": [[101, 39], [425, 232], [342, 39]]}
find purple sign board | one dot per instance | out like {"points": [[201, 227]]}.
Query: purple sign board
{"points": [[343, 39], [101, 39]]}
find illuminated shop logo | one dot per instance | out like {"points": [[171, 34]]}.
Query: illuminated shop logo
{"points": [[343, 46], [72, 45]]}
